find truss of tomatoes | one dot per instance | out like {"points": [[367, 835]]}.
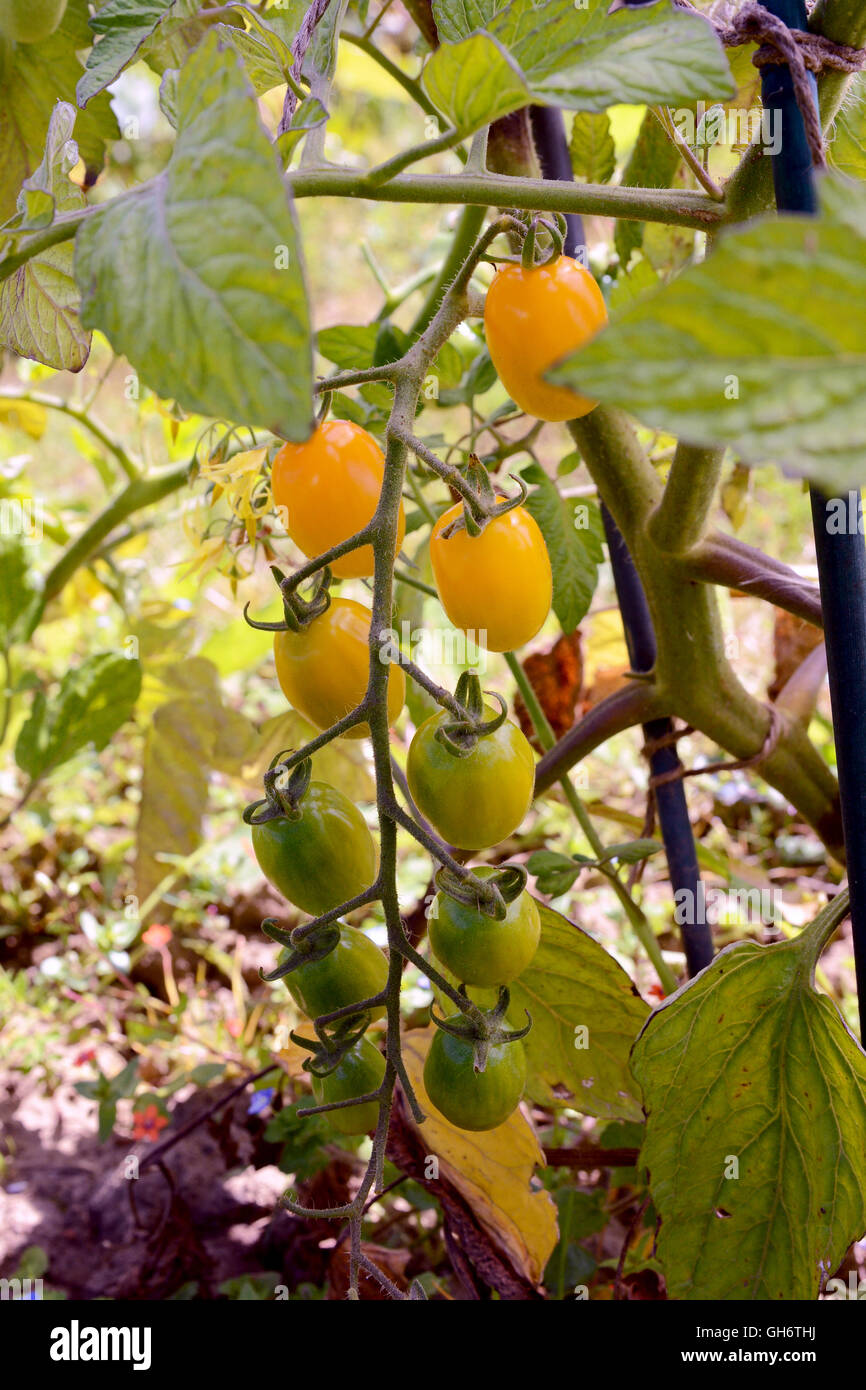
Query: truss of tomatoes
{"points": [[496, 586]]}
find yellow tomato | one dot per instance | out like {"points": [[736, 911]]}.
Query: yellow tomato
{"points": [[496, 586], [323, 670], [330, 488], [532, 319]]}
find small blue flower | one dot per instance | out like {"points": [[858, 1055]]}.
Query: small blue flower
{"points": [[260, 1100]]}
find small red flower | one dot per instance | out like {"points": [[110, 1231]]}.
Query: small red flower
{"points": [[156, 936], [656, 992], [84, 1057], [147, 1123]]}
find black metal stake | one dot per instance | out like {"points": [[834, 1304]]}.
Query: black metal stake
{"points": [[841, 552], [673, 814]]}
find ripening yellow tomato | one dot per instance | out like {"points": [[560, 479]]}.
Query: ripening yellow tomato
{"points": [[323, 670], [496, 586], [532, 319], [330, 488]]}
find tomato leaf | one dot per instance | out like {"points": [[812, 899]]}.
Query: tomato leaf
{"points": [[755, 1093], [585, 1014], [19, 596], [494, 58], [205, 260], [39, 303], [94, 699], [350, 346], [762, 346], [653, 163], [123, 26], [34, 78], [593, 155], [573, 533]]}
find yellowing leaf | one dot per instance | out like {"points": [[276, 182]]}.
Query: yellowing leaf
{"points": [[586, 1014], [24, 415], [492, 1171], [604, 648]]}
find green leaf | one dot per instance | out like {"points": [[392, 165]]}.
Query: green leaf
{"points": [[653, 163], [474, 82], [196, 276], [350, 346], [39, 303], [122, 26], [748, 1070], [33, 78], [554, 873], [94, 699], [573, 984], [761, 347], [573, 533], [18, 592], [847, 152], [580, 58], [632, 284], [124, 1082], [593, 155], [107, 1115], [632, 851]]}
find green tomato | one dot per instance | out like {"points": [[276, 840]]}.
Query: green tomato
{"points": [[360, 1071], [479, 799], [323, 858], [356, 969], [478, 949], [30, 21], [469, 1099]]}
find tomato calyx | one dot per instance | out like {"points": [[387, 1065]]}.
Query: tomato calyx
{"points": [[284, 791], [460, 735], [329, 1049], [484, 502], [483, 1028], [303, 950], [530, 257], [490, 896], [298, 612]]}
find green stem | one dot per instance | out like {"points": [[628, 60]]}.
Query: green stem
{"points": [[468, 228], [99, 432], [677, 524], [546, 737], [383, 173], [141, 493]]}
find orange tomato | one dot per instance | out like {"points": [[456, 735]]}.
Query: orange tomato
{"points": [[532, 319], [330, 488], [323, 670], [497, 586]]}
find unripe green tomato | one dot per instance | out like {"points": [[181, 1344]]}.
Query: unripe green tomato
{"points": [[356, 969], [30, 21], [478, 949], [323, 858], [477, 800], [360, 1072], [469, 1099]]}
